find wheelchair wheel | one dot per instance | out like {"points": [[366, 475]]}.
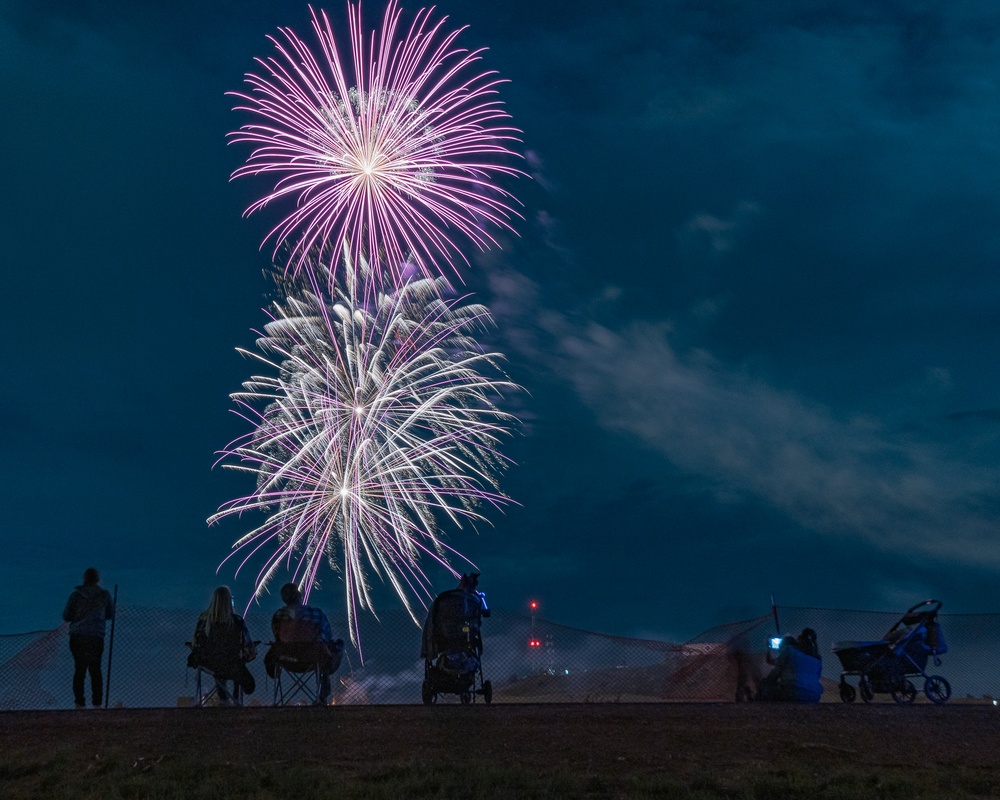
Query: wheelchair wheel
{"points": [[904, 693], [937, 689], [865, 688], [427, 693], [847, 693], [487, 692]]}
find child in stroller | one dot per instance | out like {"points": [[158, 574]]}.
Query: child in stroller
{"points": [[885, 665], [452, 646]]}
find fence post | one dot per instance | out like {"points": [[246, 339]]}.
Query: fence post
{"points": [[774, 611], [111, 648]]}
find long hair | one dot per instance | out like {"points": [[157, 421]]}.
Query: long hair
{"points": [[220, 609]]}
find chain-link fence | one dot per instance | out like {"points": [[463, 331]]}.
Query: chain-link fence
{"points": [[526, 660]]}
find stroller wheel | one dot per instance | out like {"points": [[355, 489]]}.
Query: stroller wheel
{"points": [[937, 689], [847, 693], [904, 693], [466, 698], [865, 687], [487, 692], [427, 693]]}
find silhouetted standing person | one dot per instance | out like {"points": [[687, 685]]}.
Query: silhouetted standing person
{"points": [[88, 609]]}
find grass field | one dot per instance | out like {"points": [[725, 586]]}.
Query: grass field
{"points": [[542, 751]]}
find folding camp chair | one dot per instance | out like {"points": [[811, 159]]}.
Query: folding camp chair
{"points": [[204, 696], [301, 661], [297, 672]]}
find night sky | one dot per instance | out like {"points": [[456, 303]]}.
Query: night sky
{"points": [[753, 301]]}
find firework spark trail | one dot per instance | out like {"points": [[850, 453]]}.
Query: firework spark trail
{"points": [[376, 424], [393, 156]]}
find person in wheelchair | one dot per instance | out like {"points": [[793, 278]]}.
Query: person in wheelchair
{"points": [[455, 616], [222, 645], [303, 639], [452, 644]]}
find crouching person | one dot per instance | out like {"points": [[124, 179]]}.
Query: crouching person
{"points": [[795, 677]]}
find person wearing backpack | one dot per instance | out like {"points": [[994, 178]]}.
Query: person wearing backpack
{"points": [[87, 611]]}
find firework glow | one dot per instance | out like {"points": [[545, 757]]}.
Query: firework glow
{"points": [[375, 424], [394, 149]]}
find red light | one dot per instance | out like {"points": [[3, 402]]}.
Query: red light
{"points": [[534, 643], [533, 605]]}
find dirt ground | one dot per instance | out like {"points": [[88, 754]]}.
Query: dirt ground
{"points": [[733, 741]]}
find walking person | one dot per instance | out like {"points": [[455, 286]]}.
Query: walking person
{"points": [[88, 609]]}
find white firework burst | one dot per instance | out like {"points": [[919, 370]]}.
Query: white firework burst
{"points": [[377, 423]]}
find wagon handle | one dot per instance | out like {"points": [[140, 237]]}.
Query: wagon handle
{"points": [[906, 620], [937, 606]]}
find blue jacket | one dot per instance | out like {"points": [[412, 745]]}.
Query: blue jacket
{"points": [[798, 676]]}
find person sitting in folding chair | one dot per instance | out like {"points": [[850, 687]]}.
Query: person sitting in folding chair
{"points": [[222, 647], [303, 645]]}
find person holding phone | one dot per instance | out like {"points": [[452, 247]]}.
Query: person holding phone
{"points": [[795, 677]]}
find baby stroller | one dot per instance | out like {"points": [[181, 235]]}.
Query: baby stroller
{"points": [[452, 646], [887, 665]]}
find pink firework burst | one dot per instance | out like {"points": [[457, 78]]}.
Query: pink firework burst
{"points": [[393, 151]]}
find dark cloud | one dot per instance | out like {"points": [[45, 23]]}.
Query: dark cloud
{"points": [[990, 414]]}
